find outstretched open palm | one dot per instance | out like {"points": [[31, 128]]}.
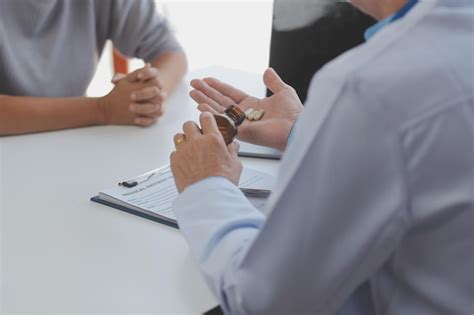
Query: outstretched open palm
{"points": [[281, 109]]}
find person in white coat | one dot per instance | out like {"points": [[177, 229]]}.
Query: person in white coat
{"points": [[373, 211]]}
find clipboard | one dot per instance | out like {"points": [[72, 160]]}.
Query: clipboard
{"points": [[257, 151], [135, 212], [152, 194]]}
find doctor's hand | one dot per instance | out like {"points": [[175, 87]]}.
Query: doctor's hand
{"points": [[202, 154], [281, 109]]}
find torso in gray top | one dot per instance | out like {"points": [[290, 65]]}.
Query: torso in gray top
{"points": [[51, 47]]}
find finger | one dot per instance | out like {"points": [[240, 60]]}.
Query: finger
{"points": [[179, 140], [133, 76], [200, 97], [173, 163], [208, 124], [117, 77], [207, 108], [234, 148], [146, 94], [160, 99], [145, 121], [172, 160], [148, 73], [191, 130], [147, 109], [212, 93], [235, 94], [273, 81], [176, 169]]}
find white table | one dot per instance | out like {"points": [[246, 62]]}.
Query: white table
{"points": [[62, 253]]}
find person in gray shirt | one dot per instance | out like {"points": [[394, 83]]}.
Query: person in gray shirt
{"points": [[49, 51]]}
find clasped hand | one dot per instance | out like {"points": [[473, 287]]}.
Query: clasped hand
{"points": [[136, 99]]}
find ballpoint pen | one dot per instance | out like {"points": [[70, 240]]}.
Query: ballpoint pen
{"points": [[145, 177], [134, 182], [250, 192]]}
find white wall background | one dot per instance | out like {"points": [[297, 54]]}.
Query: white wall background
{"points": [[231, 33]]}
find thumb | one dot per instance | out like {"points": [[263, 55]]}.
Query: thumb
{"points": [[117, 77], [234, 148], [273, 81]]}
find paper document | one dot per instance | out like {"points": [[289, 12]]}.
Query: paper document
{"points": [[155, 192]]}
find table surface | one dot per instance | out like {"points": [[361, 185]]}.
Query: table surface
{"points": [[62, 253]]}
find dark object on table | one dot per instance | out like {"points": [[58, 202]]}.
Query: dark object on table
{"points": [[215, 311], [297, 55]]}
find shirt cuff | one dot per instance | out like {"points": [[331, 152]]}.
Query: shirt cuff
{"points": [[291, 135], [211, 210]]}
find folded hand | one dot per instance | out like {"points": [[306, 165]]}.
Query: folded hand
{"points": [[136, 99]]}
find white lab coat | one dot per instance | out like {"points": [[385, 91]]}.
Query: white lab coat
{"points": [[376, 189]]}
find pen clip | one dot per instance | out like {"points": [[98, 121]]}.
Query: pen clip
{"points": [[136, 181], [250, 192]]}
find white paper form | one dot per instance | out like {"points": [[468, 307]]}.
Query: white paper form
{"points": [[156, 193]]}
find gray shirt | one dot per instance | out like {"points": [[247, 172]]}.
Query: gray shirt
{"points": [[51, 47], [373, 212]]}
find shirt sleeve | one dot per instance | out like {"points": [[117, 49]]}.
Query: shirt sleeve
{"points": [[135, 28], [214, 212], [337, 214]]}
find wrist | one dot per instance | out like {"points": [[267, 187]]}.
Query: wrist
{"points": [[206, 183], [289, 136], [102, 109]]}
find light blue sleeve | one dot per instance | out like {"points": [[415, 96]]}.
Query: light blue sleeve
{"points": [[291, 135], [218, 222], [337, 213]]}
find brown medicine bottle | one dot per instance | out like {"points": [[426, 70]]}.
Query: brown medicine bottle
{"points": [[229, 121]]}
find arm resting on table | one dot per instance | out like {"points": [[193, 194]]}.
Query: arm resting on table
{"points": [[21, 115], [172, 67]]}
